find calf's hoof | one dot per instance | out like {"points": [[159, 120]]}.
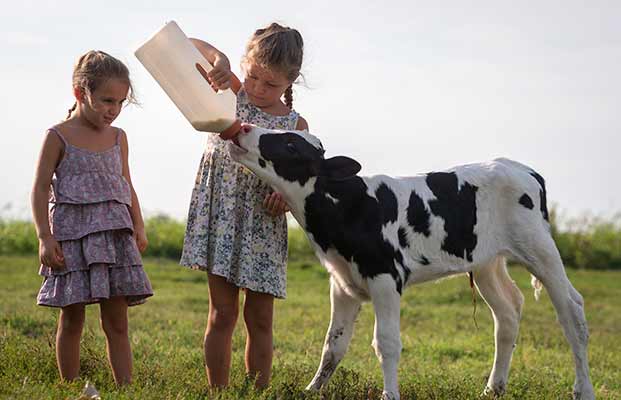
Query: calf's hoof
{"points": [[390, 395], [584, 394], [495, 391]]}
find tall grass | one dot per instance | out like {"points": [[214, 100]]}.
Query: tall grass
{"points": [[589, 242], [165, 236], [17, 237]]}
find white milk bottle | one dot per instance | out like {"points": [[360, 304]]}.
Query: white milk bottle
{"points": [[176, 65]]}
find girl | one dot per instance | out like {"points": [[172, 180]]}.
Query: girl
{"points": [[90, 248], [237, 230]]}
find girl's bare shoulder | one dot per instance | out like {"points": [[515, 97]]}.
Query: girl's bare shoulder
{"points": [[301, 124], [52, 135]]}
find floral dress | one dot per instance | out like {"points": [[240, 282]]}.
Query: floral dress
{"points": [[229, 231], [91, 221]]}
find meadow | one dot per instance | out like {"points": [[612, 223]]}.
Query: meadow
{"points": [[445, 356]]}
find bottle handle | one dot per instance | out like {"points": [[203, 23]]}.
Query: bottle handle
{"points": [[203, 73]]}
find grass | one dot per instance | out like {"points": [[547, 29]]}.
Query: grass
{"points": [[444, 355]]}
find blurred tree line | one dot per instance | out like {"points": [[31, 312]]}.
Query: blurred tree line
{"points": [[584, 242]]}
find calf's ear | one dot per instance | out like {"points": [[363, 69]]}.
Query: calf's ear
{"points": [[339, 167]]}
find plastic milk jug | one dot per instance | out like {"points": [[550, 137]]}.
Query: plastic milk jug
{"points": [[180, 69]]}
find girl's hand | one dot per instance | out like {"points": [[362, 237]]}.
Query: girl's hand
{"points": [[141, 239], [51, 254], [220, 76], [275, 204]]}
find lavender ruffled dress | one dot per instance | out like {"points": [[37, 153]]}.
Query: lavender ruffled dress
{"points": [[90, 219]]}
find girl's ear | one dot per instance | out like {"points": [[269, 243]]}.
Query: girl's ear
{"points": [[78, 93]]}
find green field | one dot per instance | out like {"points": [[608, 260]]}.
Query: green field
{"points": [[444, 355]]}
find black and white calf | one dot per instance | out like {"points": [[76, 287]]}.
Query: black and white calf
{"points": [[378, 234]]}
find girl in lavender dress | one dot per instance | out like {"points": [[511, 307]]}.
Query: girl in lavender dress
{"points": [[237, 230], [90, 241]]}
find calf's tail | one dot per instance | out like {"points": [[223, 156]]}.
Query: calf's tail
{"points": [[537, 285]]}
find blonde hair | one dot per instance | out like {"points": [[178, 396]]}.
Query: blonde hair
{"points": [[94, 68], [277, 47]]}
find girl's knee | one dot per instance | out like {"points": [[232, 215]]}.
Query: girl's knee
{"points": [[114, 325], [259, 321], [223, 318], [114, 316], [114, 328]]}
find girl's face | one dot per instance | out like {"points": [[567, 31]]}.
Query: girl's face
{"points": [[264, 86], [102, 106]]}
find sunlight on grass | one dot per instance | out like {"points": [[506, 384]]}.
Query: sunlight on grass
{"points": [[444, 355]]}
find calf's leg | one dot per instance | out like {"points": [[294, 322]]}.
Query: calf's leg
{"points": [[386, 337], [344, 311], [543, 260], [505, 301]]}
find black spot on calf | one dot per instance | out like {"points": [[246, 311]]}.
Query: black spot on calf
{"points": [[388, 203], [418, 216], [542, 195], [457, 206], [353, 226], [293, 158]]}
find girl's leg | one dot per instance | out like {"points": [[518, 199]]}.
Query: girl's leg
{"points": [[114, 324], [68, 334], [223, 311], [258, 315]]}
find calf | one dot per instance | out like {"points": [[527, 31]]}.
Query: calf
{"points": [[377, 235]]}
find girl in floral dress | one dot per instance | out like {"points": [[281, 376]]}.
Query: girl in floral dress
{"points": [[237, 230]]}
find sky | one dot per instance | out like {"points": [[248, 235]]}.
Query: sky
{"points": [[404, 87]]}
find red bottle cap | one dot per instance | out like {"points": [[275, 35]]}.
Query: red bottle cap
{"points": [[229, 132]]}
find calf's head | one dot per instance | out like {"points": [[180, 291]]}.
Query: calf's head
{"points": [[289, 161]]}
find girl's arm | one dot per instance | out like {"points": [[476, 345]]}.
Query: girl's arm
{"points": [[134, 210], [50, 252], [221, 75]]}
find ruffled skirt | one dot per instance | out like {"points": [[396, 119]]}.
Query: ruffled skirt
{"points": [[98, 266]]}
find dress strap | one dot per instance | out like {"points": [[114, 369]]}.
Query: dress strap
{"points": [[118, 135], [57, 132], [295, 117]]}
